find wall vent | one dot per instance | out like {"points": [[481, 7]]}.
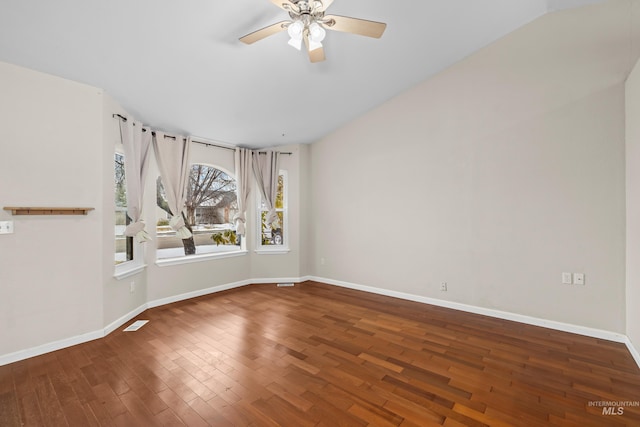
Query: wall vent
{"points": [[135, 325]]}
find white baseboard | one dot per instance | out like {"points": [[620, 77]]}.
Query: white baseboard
{"points": [[90, 336], [551, 324], [278, 280], [124, 319], [68, 342], [220, 288], [5, 359], [198, 293], [634, 352]]}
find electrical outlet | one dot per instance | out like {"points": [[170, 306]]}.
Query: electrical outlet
{"points": [[578, 278], [132, 287], [566, 279], [6, 227], [443, 286]]}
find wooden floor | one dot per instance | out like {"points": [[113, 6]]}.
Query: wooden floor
{"points": [[318, 355]]}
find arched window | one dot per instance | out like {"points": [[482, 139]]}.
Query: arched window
{"points": [[210, 207]]}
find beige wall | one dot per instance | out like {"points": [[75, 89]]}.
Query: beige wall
{"points": [[50, 268], [633, 205], [495, 177]]}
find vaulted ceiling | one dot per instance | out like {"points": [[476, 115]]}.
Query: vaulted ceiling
{"points": [[179, 67]]}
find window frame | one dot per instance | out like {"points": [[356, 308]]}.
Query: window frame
{"points": [[284, 247], [185, 259], [135, 265]]}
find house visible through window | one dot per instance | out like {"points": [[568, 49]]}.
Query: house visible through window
{"points": [[210, 205], [124, 244], [275, 235]]}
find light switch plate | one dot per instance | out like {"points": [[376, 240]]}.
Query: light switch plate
{"points": [[6, 227], [566, 278]]}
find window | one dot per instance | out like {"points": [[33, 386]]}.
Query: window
{"points": [[274, 237], [124, 244], [210, 206]]}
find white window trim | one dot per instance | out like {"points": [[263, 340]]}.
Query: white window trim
{"points": [[279, 251], [188, 259], [273, 249], [123, 273], [135, 266]]}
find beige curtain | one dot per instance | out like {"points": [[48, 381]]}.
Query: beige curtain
{"points": [[172, 154], [243, 187], [266, 168], [136, 141]]}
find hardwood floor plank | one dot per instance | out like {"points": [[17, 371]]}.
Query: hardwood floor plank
{"points": [[373, 417], [286, 394], [30, 414], [95, 410], [109, 400], [413, 413], [75, 414], [138, 410], [208, 413], [328, 414], [52, 413], [283, 412], [181, 408], [167, 418], [320, 355], [10, 413]]}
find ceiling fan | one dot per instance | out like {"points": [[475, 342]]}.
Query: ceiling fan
{"points": [[308, 23]]}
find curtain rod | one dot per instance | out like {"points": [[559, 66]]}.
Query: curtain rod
{"points": [[197, 142]]}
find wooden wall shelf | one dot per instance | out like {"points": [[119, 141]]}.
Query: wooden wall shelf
{"points": [[47, 211]]}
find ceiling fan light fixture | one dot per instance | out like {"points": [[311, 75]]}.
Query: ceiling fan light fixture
{"points": [[295, 30], [316, 32], [313, 45], [297, 43]]}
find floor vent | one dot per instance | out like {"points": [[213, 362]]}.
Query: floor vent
{"points": [[285, 285], [135, 325]]}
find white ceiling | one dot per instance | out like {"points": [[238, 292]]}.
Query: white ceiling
{"points": [[179, 67]]}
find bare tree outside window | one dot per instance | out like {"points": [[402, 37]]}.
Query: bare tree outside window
{"points": [[210, 205]]}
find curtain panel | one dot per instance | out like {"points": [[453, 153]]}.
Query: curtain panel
{"points": [[172, 154], [243, 187], [136, 141], [266, 168]]}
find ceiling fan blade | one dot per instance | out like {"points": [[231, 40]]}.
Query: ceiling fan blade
{"points": [[355, 26], [315, 55], [263, 32]]}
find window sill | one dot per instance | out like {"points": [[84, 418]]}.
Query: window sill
{"points": [[124, 273], [198, 258], [278, 251]]}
